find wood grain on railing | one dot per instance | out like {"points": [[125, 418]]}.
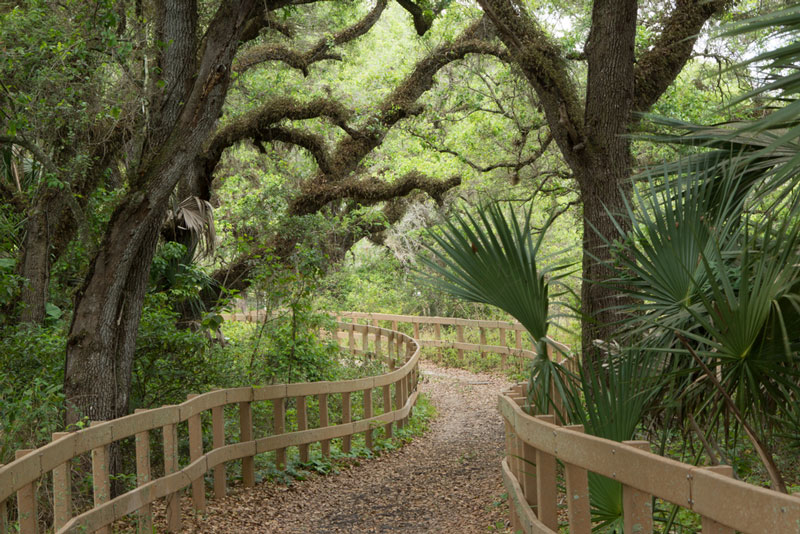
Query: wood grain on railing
{"points": [[21, 476], [724, 504]]}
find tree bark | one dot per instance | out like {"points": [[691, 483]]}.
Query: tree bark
{"points": [[102, 336], [592, 137]]}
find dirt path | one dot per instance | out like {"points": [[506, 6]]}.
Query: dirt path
{"points": [[448, 481]]}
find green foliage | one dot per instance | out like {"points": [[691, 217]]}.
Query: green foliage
{"points": [[31, 374], [493, 260], [171, 362]]}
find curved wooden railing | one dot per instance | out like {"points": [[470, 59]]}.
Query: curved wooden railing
{"points": [[21, 475], [534, 444]]}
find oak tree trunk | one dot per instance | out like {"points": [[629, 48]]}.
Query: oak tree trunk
{"points": [[102, 337]]}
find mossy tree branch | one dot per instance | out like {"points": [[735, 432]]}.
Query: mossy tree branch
{"points": [[368, 191], [658, 67], [320, 51]]}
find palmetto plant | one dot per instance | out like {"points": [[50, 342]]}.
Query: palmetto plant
{"points": [[492, 259], [711, 263]]}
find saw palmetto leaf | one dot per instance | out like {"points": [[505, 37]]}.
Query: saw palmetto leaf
{"points": [[492, 259]]}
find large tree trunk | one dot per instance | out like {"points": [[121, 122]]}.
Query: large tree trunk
{"points": [[593, 140], [603, 176], [102, 337]]}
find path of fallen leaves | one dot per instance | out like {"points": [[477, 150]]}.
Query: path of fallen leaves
{"points": [[447, 481]]}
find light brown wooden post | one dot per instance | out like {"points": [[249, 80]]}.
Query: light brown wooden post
{"points": [[171, 466], [279, 426], [3, 516], [509, 460], [101, 477], [400, 400], [637, 506], [483, 340], [546, 484], [27, 511], [709, 526], [367, 415], [375, 323], [325, 444], [144, 515], [528, 481], [365, 339], [302, 424], [399, 344], [578, 507], [503, 356], [196, 451], [387, 407], [245, 435], [218, 433], [351, 339], [437, 332], [460, 339], [394, 325], [518, 339], [346, 418], [62, 490], [416, 330]]}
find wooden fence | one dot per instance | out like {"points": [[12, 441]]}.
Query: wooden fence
{"points": [[534, 445], [21, 477], [506, 330]]}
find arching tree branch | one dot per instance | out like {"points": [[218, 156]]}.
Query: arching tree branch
{"points": [[321, 51], [314, 143], [658, 67], [368, 191], [542, 63]]}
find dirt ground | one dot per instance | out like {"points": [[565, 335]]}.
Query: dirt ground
{"points": [[447, 481]]}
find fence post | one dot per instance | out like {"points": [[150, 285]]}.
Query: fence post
{"points": [[100, 477], [62, 490], [709, 526], [144, 515], [3, 516], [578, 507], [171, 466], [483, 341], [416, 330], [387, 407], [302, 424], [400, 399], [365, 339], [509, 460], [437, 331], [378, 343], [394, 325], [27, 511], [367, 415], [546, 484], [196, 451], [218, 433], [245, 435], [503, 356], [325, 444], [346, 418], [637, 506], [460, 339], [279, 423], [351, 338]]}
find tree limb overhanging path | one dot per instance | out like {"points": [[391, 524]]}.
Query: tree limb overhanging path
{"points": [[448, 480]]}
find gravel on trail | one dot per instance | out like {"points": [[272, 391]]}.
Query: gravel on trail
{"points": [[447, 481]]}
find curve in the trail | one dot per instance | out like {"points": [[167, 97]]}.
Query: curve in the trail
{"points": [[447, 481]]}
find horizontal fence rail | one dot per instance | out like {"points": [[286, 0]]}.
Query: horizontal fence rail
{"points": [[398, 388], [534, 445], [505, 331]]}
